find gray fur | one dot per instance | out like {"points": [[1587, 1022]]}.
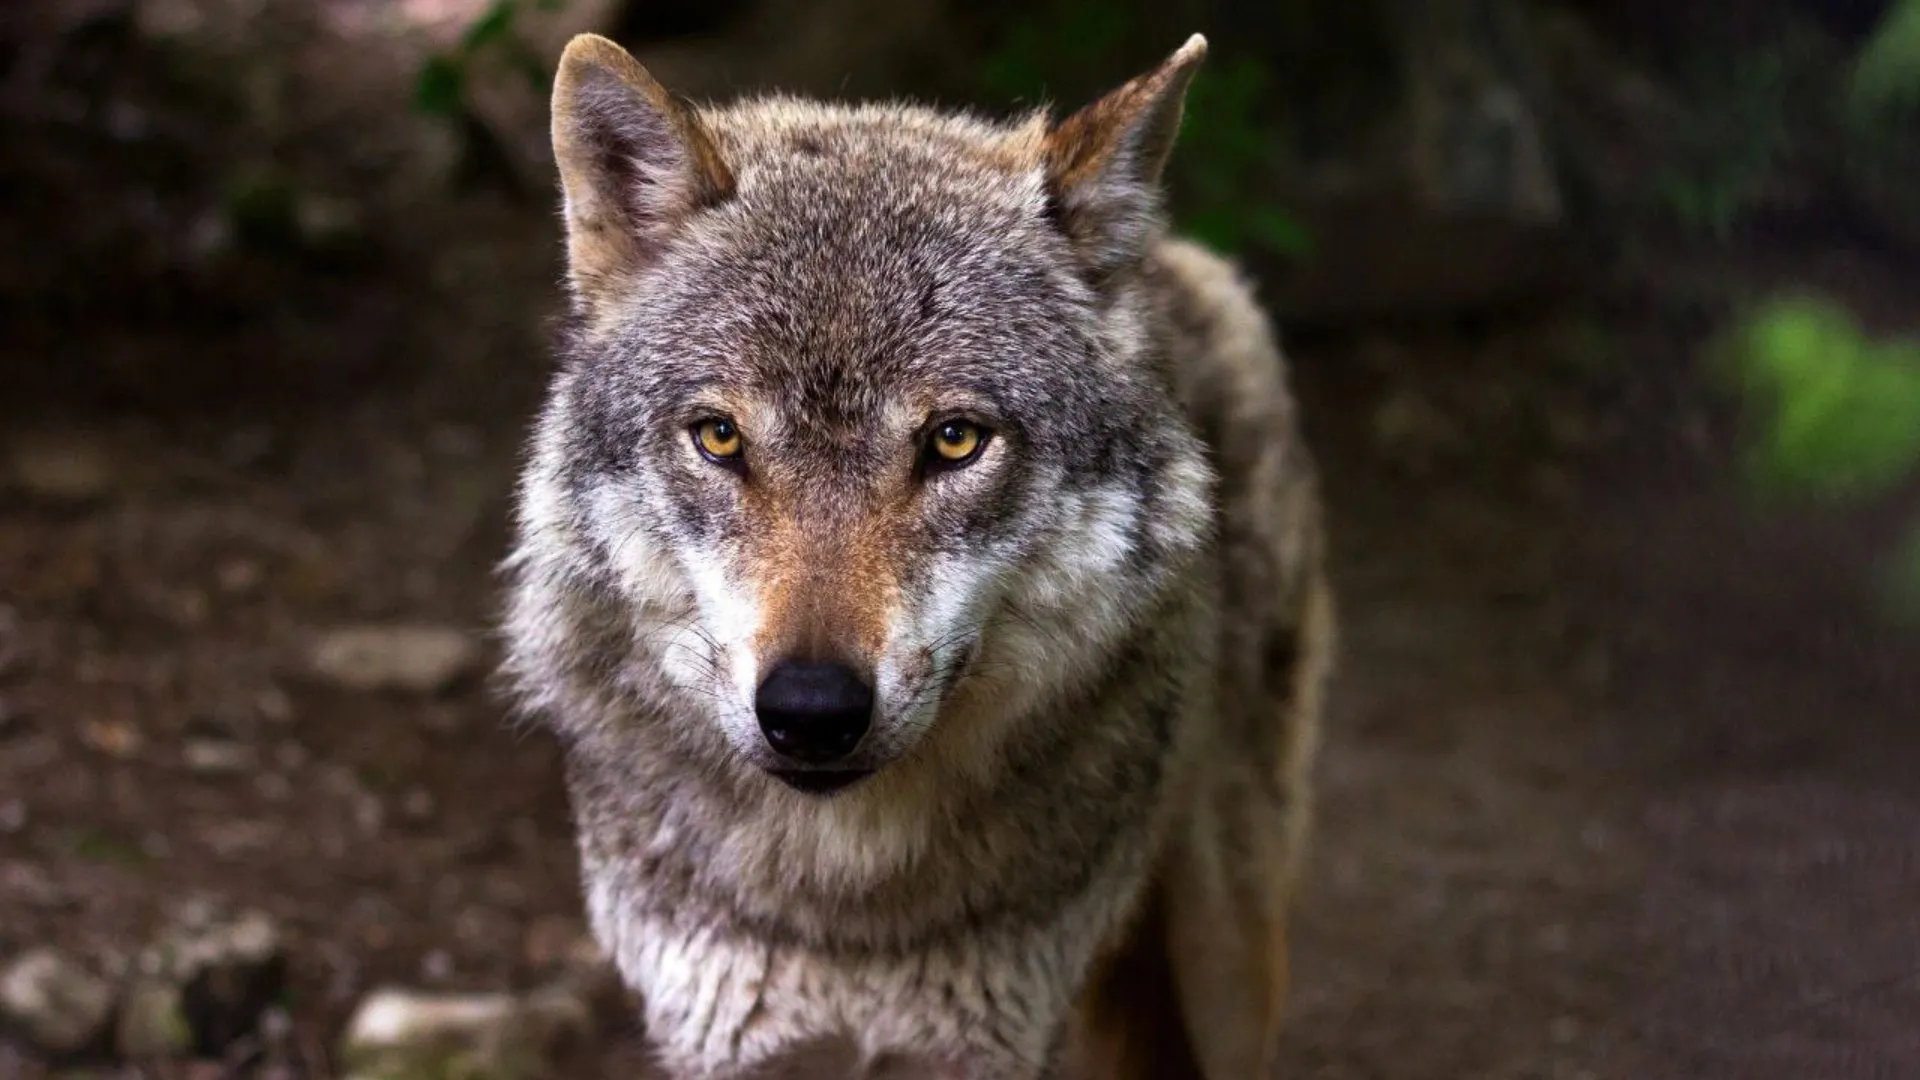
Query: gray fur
{"points": [[1099, 651]]}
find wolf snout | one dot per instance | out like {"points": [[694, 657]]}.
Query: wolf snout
{"points": [[814, 714]]}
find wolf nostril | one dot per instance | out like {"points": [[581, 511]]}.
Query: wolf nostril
{"points": [[814, 713]]}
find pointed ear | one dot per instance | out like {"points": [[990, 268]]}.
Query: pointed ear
{"points": [[1104, 162], [634, 163]]}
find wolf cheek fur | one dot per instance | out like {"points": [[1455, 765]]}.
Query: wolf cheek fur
{"points": [[924, 419]]}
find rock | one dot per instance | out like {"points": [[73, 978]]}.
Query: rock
{"points": [[55, 1001], [239, 576], [216, 976], [114, 738], [60, 466], [23, 882], [13, 815], [151, 1022], [216, 756], [237, 839], [437, 966], [408, 658], [329, 223], [417, 804], [399, 1034]]}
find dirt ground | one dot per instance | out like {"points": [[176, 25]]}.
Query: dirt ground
{"points": [[1622, 777]]}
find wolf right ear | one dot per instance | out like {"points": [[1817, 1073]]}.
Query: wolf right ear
{"points": [[633, 162], [1104, 162]]}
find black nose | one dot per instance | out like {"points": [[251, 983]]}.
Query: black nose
{"points": [[814, 713]]}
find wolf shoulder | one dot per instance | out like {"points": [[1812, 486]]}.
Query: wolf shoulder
{"points": [[1225, 365], [1222, 354]]}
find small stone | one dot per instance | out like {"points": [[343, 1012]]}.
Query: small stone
{"points": [[226, 973], [291, 756], [276, 1026], [273, 705], [190, 607], [60, 466], [13, 815], [25, 883], [56, 1002], [211, 756], [238, 576], [327, 222], [197, 911], [437, 966], [410, 659], [404, 1033], [238, 839], [417, 804], [369, 814], [396, 1034], [152, 1022], [115, 738]]}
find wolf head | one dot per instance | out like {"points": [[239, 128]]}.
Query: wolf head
{"points": [[859, 437]]}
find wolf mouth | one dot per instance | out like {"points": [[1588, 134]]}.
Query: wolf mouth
{"points": [[820, 781]]}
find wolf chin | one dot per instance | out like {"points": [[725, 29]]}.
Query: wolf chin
{"points": [[919, 561]]}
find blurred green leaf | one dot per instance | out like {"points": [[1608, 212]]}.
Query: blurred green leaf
{"points": [[1215, 226], [493, 25], [1279, 231], [1842, 411], [1222, 170], [1886, 73], [438, 89]]}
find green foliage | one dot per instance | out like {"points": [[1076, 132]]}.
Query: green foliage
{"points": [[439, 88], [1064, 42], [1886, 75], [1735, 144], [1224, 157], [1227, 155], [1841, 411], [1750, 105]]}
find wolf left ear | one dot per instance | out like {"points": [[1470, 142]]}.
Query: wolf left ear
{"points": [[634, 163], [1104, 162]]}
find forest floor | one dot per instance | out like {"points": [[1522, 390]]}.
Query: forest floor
{"points": [[1622, 778]]}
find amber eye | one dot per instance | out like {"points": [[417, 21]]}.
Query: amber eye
{"points": [[957, 442], [719, 440]]}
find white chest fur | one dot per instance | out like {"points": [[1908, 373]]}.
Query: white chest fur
{"points": [[719, 1004]]}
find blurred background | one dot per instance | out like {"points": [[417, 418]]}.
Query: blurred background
{"points": [[1606, 318]]}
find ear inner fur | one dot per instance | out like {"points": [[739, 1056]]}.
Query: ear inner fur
{"points": [[633, 162], [1104, 162]]}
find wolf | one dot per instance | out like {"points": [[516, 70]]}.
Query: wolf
{"points": [[920, 563]]}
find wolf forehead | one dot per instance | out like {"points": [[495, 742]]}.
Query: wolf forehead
{"points": [[866, 254]]}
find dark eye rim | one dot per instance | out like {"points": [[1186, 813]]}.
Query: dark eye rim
{"points": [[728, 461], [931, 459]]}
